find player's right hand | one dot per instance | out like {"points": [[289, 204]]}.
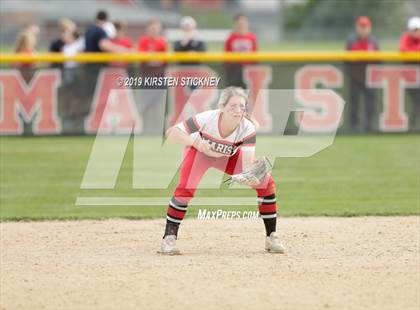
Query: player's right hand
{"points": [[202, 146], [212, 153], [205, 147]]}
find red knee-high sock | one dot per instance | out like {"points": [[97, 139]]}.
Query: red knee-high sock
{"points": [[267, 206], [174, 216]]}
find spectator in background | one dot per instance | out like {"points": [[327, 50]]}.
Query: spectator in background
{"points": [[240, 40], [153, 42], [152, 109], [73, 45], [410, 42], [361, 41], [66, 27], [120, 36], [25, 43], [71, 108], [109, 29], [34, 31], [121, 39], [96, 39], [27, 40], [189, 43]]}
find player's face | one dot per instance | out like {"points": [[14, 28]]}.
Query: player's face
{"points": [[235, 108]]}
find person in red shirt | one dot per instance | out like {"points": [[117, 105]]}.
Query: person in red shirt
{"points": [[153, 42], [152, 108], [361, 41], [120, 37], [240, 40], [410, 42], [122, 40], [25, 44]]}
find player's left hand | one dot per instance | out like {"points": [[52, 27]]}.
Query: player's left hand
{"points": [[254, 174], [252, 182], [212, 153]]}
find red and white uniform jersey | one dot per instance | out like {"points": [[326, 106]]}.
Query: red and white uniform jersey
{"points": [[207, 125]]}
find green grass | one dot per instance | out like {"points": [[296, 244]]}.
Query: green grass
{"points": [[358, 175]]}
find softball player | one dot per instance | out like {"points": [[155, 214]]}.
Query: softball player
{"points": [[223, 139]]}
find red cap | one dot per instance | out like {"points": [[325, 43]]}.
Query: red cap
{"points": [[363, 21]]}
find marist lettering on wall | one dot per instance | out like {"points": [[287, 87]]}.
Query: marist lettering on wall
{"points": [[36, 102], [115, 109]]}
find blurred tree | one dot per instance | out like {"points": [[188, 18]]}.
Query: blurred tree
{"points": [[334, 19]]}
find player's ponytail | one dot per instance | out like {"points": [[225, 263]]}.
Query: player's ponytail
{"points": [[252, 120], [232, 91]]}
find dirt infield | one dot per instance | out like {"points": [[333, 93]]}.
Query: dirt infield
{"points": [[331, 263]]}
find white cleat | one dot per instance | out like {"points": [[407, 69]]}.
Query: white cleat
{"points": [[168, 246], [273, 244]]}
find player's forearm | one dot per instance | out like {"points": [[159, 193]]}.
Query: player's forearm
{"points": [[248, 159], [176, 135]]}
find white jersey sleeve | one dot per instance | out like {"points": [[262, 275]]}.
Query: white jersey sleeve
{"points": [[249, 137], [195, 123]]}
